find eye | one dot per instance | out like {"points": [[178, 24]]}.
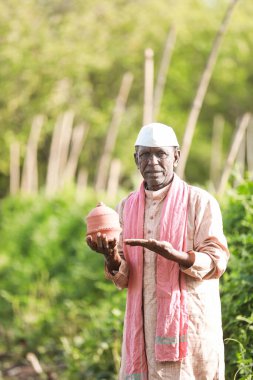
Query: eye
{"points": [[162, 155], [144, 155]]}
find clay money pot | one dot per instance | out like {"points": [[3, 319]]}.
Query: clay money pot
{"points": [[105, 220]]}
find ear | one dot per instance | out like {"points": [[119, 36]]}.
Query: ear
{"points": [[177, 153], [136, 159]]}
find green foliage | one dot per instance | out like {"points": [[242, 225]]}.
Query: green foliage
{"points": [[58, 55], [54, 300], [237, 283]]}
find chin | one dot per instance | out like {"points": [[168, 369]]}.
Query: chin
{"points": [[155, 186]]}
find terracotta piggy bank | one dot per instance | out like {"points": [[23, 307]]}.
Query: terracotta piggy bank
{"points": [[105, 220]]}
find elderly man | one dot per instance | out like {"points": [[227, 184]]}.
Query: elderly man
{"points": [[170, 256]]}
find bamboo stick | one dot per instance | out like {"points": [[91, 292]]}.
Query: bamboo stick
{"points": [[163, 70], [240, 161], [202, 89], [216, 151], [233, 152], [82, 179], [78, 137], [14, 168], [51, 180], [64, 143], [249, 148], [148, 87], [112, 133], [29, 182], [81, 184], [58, 151], [113, 182]]}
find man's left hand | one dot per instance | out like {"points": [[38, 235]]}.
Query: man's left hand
{"points": [[165, 249]]}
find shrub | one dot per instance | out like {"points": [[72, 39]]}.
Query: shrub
{"points": [[54, 300], [237, 283]]}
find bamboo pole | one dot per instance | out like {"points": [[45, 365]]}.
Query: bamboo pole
{"points": [[240, 161], [59, 152], [113, 182], [112, 133], [14, 168], [82, 179], [29, 182], [64, 143], [51, 180], [77, 141], [163, 70], [148, 87], [202, 89], [81, 184], [233, 152], [216, 151], [249, 148]]}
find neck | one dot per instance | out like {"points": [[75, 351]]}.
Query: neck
{"points": [[158, 187]]}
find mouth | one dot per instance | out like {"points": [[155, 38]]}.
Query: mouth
{"points": [[154, 172]]}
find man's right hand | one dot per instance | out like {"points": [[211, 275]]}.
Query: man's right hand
{"points": [[108, 248]]}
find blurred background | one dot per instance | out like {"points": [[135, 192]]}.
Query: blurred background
{"points": [[78, 79]]}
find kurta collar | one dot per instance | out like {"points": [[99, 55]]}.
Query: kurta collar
{"points": [[159, 194]]}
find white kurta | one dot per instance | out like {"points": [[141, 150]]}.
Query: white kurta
{"points": [[205, 239]]}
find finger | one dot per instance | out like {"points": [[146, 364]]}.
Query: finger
{"points": [[158, 244], [164, 245], [136, 242], [99, 241], [91, 243], [105, 242], [152, 241], [112, 243], [131, 242]]}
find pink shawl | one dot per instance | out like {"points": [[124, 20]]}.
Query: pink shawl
{"points": [[172, 318]]}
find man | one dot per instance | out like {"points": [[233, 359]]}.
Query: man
{"points": [[170, 256]]}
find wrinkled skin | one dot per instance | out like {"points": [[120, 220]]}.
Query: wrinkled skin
{"points": [[156, 165], [106, 247], [164, 249]]}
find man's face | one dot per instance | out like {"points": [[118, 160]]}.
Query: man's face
{"points": [[156, 165]]}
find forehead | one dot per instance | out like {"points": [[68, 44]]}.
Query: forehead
{"points": [[142, 149]]}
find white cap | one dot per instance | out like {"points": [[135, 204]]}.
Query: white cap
{"points": [[156, 135]]}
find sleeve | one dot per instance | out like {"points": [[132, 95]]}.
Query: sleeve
{"points": [[120, 277], [209, 245]]}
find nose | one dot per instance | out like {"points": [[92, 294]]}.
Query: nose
{"points": [[153, 159]]}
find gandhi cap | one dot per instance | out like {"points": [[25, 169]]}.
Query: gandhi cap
{"points": [[156, 135]]}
